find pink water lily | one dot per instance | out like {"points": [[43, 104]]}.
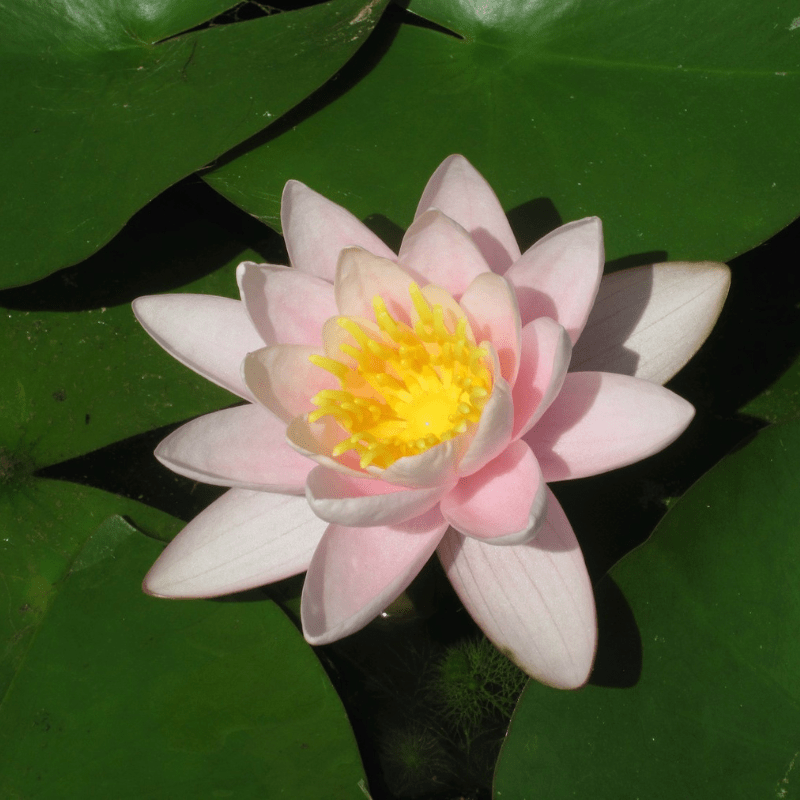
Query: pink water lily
{"points": [[401, 404]]}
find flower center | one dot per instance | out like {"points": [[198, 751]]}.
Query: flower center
{"points": [[404, 389]]}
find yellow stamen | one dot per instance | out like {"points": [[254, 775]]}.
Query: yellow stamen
{"points": [[405, 389]]}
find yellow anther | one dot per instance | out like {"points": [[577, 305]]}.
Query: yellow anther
{"points": [[329, 365]]}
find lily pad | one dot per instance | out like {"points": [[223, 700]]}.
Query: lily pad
{"points": [[107, 104], [120, 692], [667, 120], [697, 688], [44, 525]]}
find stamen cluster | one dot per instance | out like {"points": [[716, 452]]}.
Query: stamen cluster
{"points": [[404, 389]]}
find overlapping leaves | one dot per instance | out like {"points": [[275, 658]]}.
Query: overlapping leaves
{"points": [[120, 692], [668, 120], [106, 104]]}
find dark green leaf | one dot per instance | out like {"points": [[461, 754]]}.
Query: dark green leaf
{"points": [[44, 525], [104, 108], [697, 693], [667, 120], [122, 695]]}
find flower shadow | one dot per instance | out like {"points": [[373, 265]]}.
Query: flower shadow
{"points": [[579, 405], [618, 663]]}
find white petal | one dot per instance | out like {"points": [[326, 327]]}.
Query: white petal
{"points": [[243, 447], [649, 321], [210, 335], [243, 540]]}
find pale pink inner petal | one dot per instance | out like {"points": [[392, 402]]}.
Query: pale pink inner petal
{"points": [[316, 230], [503, 503], [243, 447], [649, 321], [534, 600], [461, 192], [433, 467], [558, 277], [452, 311], [210, 335], [361, 276], [546, 350], [441, 251], [284, 380], [357, 572], [285, 305], [243, 540], [493, 431], [334, 336], [491, 307], [365, 502], [316, 441], [601, 421]]}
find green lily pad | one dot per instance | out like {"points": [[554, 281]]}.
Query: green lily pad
{"points": [[107, 104], [74, 381], [667, 120], [120, 692], [77, 380], [44, 525], [698, 680]]}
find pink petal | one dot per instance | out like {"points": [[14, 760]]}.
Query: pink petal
{"points": [[284, 380], [357, 572], [243, 540], [441, 251], [534, 601], [285, 305], [243, 447], [601, 421], [558, 277], [493, 431], [546, 350], [210, 335], [649, 321], [360, 276], [316, 230], [460, 191], [365, 502], [491, 307], [503, 503]]}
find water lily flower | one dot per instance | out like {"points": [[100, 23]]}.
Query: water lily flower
{"points": [[402, 404]]}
